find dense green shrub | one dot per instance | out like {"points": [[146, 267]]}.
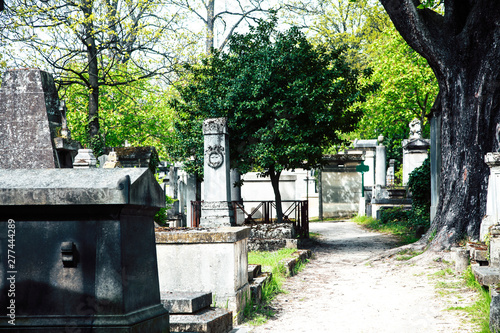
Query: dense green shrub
{"points": [[161, 215], [420, 187], [394, 215]]}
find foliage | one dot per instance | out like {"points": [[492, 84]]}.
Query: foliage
{"points": [[394, 215], [406, 90], [419, 184], [87, 43], [284, 99], [161, 215], [137, 113]]}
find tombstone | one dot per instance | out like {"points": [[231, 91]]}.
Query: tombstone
{"points": [[32, 122], [414, 150], [492, 216], [84, 249], [390, 181], [380, 163], [216, 208], [136, 157]]}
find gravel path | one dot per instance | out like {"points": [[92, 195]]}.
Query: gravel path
{"points": [[339, 292]]}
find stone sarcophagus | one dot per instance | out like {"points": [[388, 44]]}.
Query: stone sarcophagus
{"points": [[77, 251]]}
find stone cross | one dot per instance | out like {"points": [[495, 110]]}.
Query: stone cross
{"points": [[216, 209]]}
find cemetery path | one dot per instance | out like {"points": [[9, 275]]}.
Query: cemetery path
{"points": [[339, 292]]}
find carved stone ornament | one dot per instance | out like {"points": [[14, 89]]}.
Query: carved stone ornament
{"points": [[215, 126], [415, 129], [214, 156]]}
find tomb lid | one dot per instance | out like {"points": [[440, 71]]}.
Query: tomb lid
{"points": [[134, 186], [365, 143]]}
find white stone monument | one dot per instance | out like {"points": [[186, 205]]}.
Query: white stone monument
{"points": [[414, 150], [492, 216], [216, 208]]}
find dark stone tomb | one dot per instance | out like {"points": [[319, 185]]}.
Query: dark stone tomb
{"points": [[77, 251]]}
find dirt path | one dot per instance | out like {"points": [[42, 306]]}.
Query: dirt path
{"points": [[339, 292]]}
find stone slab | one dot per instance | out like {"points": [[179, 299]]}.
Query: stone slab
{"points": [[253, 271], [495, 310], [185, 302], [485, 275], [42, 187], [203, 235], [213, 320]]}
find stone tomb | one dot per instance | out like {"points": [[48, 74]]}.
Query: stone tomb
{"points": [[206, 260], [33, 132], [85, 258]]}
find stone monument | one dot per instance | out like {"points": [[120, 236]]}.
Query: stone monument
{"points": [[216, 208], [414, 150], [82, 251], [33, 131]]}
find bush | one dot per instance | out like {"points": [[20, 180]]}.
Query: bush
{"points": [[420, 187], [161, 215], [394, 215]]}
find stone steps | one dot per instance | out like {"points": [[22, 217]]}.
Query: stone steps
{"points": [[191, 312]]}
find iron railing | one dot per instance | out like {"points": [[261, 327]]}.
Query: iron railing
{"points": [[294, 211]]}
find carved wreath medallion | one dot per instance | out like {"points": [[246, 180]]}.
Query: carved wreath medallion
{"points": [[214, 156]]}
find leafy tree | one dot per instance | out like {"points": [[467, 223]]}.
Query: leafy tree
{"points": [[284, 99], [84, 42], [459, 40], [137, 113], [406, 89]]}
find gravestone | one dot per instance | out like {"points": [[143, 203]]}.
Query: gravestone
{"points": [[414, 150], [83, 248], [32, 119], [216, 208]]}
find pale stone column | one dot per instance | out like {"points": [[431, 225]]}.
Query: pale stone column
{"points": [[380, 164], [190, 196], [216, 209], [492, 216]]}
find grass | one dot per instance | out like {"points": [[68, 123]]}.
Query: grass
{"points": [[258, 314], [404, 234], [407, 254], [479, 311]]}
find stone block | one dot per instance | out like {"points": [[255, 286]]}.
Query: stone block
{"points": [[486, 276], [495, 310], [495, 251], [253, 271], [257, 284], [206, 260], [214, 320], [185, 302], [86, 241]]}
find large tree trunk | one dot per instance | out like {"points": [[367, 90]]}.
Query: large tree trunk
{"points": [[93, 71], [275, 182], [462, 49]]}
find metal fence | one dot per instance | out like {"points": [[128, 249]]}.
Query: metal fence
{"points": [[253, 212]]}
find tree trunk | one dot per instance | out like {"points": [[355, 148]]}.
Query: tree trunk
{"points": [[93, 71], [210, 26], [462, 49], [275, 182]]}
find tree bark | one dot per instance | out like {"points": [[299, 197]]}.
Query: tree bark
{"points": [[275, 182], [93, 71], [210, 26], [462, 49]]}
